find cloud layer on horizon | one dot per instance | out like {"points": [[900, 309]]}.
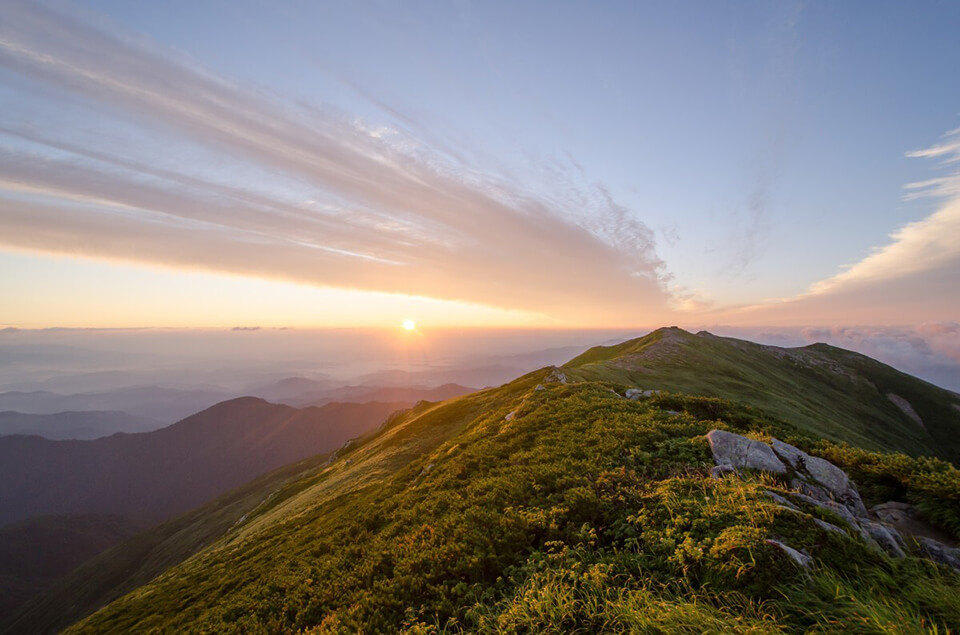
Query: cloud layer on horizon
{"points": [[322, 198]]}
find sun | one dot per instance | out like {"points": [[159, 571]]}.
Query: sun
{"points": [[409, 325]]}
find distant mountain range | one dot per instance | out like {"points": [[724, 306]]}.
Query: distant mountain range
{"points": [[74, 425], [173, 469], [581, 498], [144, 408], [152, 402]]}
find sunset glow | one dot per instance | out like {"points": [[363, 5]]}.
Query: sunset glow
{"points": [[227, 173]]}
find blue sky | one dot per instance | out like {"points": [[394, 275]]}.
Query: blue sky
{"points": [[549, 164]]}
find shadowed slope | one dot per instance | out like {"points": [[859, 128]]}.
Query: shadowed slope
{"points": [[176, 468]]}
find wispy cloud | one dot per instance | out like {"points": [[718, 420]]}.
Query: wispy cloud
{"points": [[912, 279], [382, 211], [923, 246]]}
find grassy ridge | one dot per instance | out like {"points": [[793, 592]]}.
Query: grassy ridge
{"points": [[566, 509], [826, 391]]}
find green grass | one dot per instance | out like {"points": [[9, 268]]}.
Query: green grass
{"points": [[585, 512], [825, 391]]}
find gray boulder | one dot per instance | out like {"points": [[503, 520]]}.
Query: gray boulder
{"points": [[741, 452], [794, 457], [829, 527], [940, 553], [894, 512], [824, 474], [634, 394], [802, 559], [783, 502], [556, 376], [888, 538], [719, 471]]}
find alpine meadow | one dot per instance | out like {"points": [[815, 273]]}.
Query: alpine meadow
{"points": [[479, 317]]}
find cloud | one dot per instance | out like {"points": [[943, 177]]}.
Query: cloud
{"points": [[924, 246], [315, 196], [912, 279]]}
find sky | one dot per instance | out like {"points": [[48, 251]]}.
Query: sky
{"points": [[534, 164]]}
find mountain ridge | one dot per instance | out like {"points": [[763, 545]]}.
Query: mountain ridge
{"points": [[832, 392], [175, 468], [568, 499]]}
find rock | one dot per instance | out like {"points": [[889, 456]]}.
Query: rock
{"points": [[741, 452], [894, 512], [829, 527], [556, 376], [719, 471], [906, 408], [888, 538], [633, 394], [814, 491], [510, 416], [802, 559], [824, 473], [836, 508], [794, 457], [781, 500], [940, 553], [829, 475], [909, 521], [539, 387]]}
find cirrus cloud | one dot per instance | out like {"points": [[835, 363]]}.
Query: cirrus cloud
{"points": [[303, 192]]}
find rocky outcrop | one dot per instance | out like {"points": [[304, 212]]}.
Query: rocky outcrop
{"points": [[801, 558], [742, 453], [819, 483], [633, 394], [556, 376], [940, 553], [813, 475], [888, 538], [719, 471], [906, 408]]}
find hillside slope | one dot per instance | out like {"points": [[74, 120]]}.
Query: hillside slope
{"points": [[119, 570], [176, 468], [830, 392], [35, 552], [549, 507]]}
